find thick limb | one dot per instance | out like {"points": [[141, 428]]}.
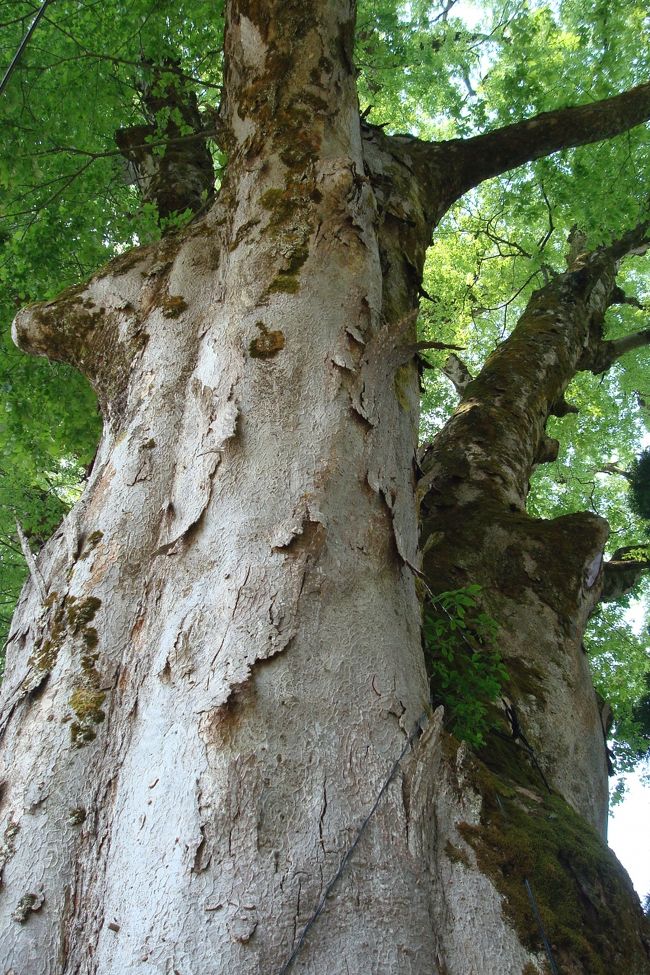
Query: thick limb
{"points": [[471, 161], [447, 170], [623, 571], [473, 490]]}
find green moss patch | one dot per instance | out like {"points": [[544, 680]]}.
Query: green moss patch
{"points": [[173, 306], [285, 283], [590, 912], [287, 279], [71, 618], [46, 649], [80, 612], [267, 344], [86, 702], [91, 543], [90, 637], [456, 854]]}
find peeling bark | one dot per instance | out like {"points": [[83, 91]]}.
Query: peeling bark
{"points": [[237, 540]]}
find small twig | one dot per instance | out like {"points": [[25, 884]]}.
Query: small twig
{"points": [[541, 244]]}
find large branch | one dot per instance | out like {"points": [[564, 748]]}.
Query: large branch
{"points": [[612, 350], [500, 422], [457, 372], [181, 177], [623, 572], [492, 153]]}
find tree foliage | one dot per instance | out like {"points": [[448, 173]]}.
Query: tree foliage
{"points": [[640, 485], [438, 70], [463, 662]]}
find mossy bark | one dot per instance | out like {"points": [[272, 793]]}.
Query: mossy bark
{"points": [[545, 758]]}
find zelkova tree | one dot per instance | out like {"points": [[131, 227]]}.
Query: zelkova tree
{"points": [[217, 660]]}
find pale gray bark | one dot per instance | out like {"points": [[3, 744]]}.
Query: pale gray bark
{"points": [[200, 714], [249, 721], [457, 373], [180, 799]]}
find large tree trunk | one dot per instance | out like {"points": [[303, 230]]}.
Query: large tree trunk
{"points": [[217, 661], [228, 657]]}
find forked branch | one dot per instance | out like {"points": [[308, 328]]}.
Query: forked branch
{"points": [[609, 352]]}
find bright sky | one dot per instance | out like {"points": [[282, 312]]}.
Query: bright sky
{"points": [[629, 833], [470, 13]]}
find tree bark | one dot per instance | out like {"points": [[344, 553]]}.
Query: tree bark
{"points": [[227, 665], [623, 571], [477, 473], [541, 580], [228, 659]]}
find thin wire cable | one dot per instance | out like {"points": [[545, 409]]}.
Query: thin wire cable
{"points": [[346, 858], [533, 903], [547, 945], [348, 855], [518, 735], [23, 44]]}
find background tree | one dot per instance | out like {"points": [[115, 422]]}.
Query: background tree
{"points": [[198, 349]]}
